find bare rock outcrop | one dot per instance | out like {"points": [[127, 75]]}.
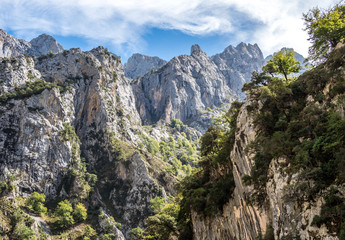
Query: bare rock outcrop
{"points": [[181, 89], [11, 47], [238, 63], [138, 65]]}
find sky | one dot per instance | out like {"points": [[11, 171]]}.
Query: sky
{"points": [[163, 28]]}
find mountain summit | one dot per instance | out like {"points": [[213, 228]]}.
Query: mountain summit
{"points": [[13, 47]]}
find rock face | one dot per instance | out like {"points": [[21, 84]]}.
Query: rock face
{"points": [[238, 63], [138, 65], [67, 109], [12, 47], [43, 44], [57, 108], [181, 89], [241, 219]]}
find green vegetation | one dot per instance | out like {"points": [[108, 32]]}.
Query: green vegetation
{"points": [[137, 234], [282, 62], [77, 174], [151, 144], [15, 223], [163, 224], [23, 232], [332, 213], [64, 212], [68, 133], [67, 215], [326, 28], [176, 123], [89, 233], [79, 212], [118, 148], [207, 190], [29, 89], [108, 225], [307, 134], [36, 203], [7, 186]]}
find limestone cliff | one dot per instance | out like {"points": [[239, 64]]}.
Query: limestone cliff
{"points": [[241, 219], [13, 47], [182, 89], [138, 65], [238, 63], [62, 111], [238, 220], [286, 161]]}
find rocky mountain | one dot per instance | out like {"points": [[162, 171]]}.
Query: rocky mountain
{"points": [[273, 195], [181, 89], [13, 47], [138, 65], [238, 63], [68, 120], [43, 44], [109, 153], [66, 110]]}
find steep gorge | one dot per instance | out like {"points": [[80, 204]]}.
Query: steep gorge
{"points": [[286, 164], [74, 127]]}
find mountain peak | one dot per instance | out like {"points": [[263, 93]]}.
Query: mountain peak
{"points": [[195, 50], [139, 64], [45, 43]]}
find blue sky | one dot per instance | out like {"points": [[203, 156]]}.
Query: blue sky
{"points": [[162, 28]]}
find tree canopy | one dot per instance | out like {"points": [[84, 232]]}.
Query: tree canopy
{"points": [[282, 62], [326, 28]]}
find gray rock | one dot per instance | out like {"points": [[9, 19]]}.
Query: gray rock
{"points": [[12, 47], [45, 43], [138, 65], [242, 219], [238, 63], [184, 87], [98, 103]]}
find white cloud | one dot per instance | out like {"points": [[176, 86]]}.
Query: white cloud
{"points": [[123, 22]]}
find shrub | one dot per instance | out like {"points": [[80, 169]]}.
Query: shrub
{"points": [[23, 232], [89, 233], [136, 234], [36, 202], [64, 212], [80, 212]]}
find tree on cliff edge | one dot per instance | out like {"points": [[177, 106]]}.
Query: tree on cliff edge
{"points": [[282, 62], [326, 28]]}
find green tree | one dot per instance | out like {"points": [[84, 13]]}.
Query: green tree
{"points": [[89, 233], [326, 28], [282, 62], [108, 236], [210, 141], [64, 212], [23, 232], [80, 212], [36, 202], [160, 226], [136, 234], [157, 204]]}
